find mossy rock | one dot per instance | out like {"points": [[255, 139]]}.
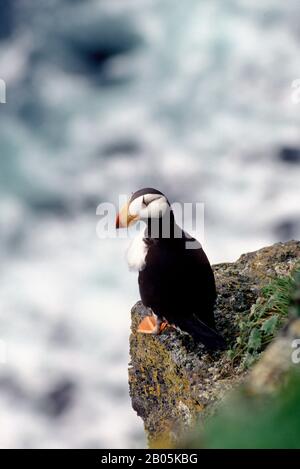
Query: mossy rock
{"points": [[173, 381]]}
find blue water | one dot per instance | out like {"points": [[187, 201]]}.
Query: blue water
{"points": [[105, 97]]}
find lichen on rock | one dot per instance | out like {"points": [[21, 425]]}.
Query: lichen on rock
{"points": [[173, 381]]}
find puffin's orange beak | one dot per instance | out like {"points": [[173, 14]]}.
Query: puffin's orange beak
{"points": [[124, 218]]}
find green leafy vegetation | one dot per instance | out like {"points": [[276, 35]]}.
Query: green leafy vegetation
{"points": [[258, 327], [295, 307]]}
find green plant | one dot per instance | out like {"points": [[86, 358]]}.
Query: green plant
{"points": [[295, 307], [258, 326]]}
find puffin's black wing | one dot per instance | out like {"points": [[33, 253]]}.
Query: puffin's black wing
{"points": [[178, 285]]}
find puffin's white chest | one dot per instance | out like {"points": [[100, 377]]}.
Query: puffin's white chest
{"points": [[136, 253]]}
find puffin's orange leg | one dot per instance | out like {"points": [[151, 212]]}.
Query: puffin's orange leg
{"points": [[162, 326], [150, 325]]}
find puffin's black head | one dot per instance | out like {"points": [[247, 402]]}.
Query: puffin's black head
{"points": [[144, 204]]}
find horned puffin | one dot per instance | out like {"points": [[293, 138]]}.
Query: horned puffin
{"points": [[176, 281]]}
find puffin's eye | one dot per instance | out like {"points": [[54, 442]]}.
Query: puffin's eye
{"points": [[145, 203]]}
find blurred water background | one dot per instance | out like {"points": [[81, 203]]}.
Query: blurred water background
{"points": [[104, 97]]}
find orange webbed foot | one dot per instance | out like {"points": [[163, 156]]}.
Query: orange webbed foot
{"points": [[150, 325]]}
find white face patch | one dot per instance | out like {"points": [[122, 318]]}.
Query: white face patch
{"points": [[149, 206], [136, 253]]}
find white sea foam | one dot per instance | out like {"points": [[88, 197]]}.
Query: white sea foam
{"points": [[199, 108]]}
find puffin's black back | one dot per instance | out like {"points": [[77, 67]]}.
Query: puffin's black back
{"points": [[178, 284]]}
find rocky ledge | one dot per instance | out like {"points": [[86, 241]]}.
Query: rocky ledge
{"points": [[174, 382]]}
